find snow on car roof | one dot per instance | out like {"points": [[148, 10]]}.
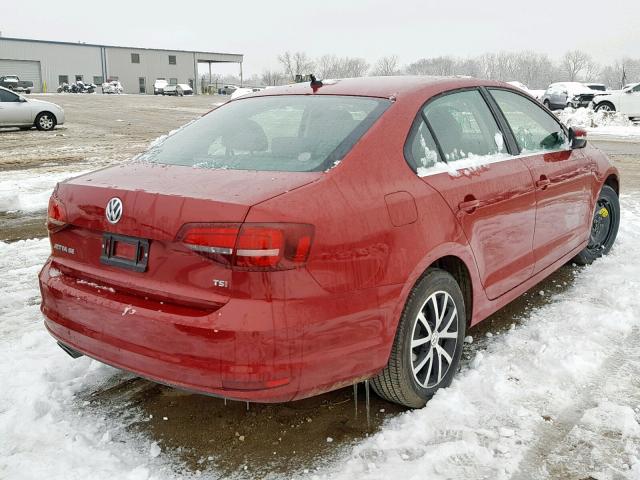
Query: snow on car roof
{"points": [[383, 87]]}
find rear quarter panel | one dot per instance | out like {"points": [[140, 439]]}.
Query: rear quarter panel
{"points": [[363, 266]]}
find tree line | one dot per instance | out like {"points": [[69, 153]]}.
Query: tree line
{"points": [[536, 70]]}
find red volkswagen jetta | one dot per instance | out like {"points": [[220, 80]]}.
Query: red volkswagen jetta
{"points": [[308, 237]]}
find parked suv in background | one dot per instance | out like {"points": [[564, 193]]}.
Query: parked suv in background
{"points": [[159, 86], [625, 101], [567, 94]]}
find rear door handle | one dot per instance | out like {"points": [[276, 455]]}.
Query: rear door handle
{"points": [[543, 183], [469, 206]]}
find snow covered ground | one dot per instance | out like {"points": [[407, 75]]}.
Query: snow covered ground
{"points": [[557, 396], [601, 125], [29, 190]]}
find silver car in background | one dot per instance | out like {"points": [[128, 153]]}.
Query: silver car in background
{"points": [[26, 113], [567, 94]]}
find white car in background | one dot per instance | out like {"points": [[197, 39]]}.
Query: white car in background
{"points": [[178, 90], [159, 85], [26, 113], [567, 94], [240, 91], [625, 101], [114, 87]]}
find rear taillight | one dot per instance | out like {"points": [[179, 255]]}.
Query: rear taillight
{"points": [[250, 246], [56, 215]]}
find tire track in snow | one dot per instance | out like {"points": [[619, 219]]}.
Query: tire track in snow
{"points": [[553, 455]]}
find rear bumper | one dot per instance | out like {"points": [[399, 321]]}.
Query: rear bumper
{"points": [[238, 351]]}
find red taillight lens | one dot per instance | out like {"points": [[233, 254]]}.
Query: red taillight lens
{"points": [[56, 215], [251, 246], [214, 241], [259, 246]]}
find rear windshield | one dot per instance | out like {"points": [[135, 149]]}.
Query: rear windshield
{"points": [[293, 133]]}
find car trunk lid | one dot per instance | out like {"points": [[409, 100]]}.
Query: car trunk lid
{"points": [[159, 199], [156, 202]]}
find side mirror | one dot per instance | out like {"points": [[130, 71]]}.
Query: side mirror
{"points": [[22, 100], [577, 137], [629, 90]]}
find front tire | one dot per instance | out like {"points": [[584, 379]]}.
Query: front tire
{"points": [[45, 121], [428, 344], [605, 107], [604, 227]]}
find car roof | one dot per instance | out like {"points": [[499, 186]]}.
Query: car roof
{"points": [[383, 87]]}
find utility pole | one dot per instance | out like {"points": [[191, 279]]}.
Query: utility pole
{"points": [[240, 73]]}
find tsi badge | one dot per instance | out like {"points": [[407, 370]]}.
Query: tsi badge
{"points": [[113, 212], [220, 283]]}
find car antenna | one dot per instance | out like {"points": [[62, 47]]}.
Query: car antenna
{"points": [[315, 83]]}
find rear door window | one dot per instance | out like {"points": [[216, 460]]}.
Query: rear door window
{"points": [[464, 126], [534, 129]]}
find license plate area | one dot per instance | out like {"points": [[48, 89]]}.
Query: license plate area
{"points": [[125, 252]]}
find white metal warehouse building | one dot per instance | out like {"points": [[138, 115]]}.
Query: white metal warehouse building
{"points": [[48, 64]]}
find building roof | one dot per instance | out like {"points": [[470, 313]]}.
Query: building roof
{"points": [[82, 44]]}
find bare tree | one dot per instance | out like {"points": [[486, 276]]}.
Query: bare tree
{"points": [[354, 67], [328, 66], [574, 62], [297, 63], [331, 66], [272, 77], [535, 70], [439, 66], [387, 66]]}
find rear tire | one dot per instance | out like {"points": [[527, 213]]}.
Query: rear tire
{"points": [[421, 361], [547, 104], [604, 227], [45, 121]]}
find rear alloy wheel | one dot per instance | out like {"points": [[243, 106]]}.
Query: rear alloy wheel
{"points": [[604, 228], [45, 121], [605, 107], [428, 344]]}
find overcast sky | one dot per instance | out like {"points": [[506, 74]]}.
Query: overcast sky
{"points": [[411, 29]]}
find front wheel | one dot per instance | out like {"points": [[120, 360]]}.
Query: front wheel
{"points": [[605, 107], [604, 227], [45, 121], [428, 344]]}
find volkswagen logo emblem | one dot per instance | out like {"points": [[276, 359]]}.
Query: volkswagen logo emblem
{"points": [[113, 212]]}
